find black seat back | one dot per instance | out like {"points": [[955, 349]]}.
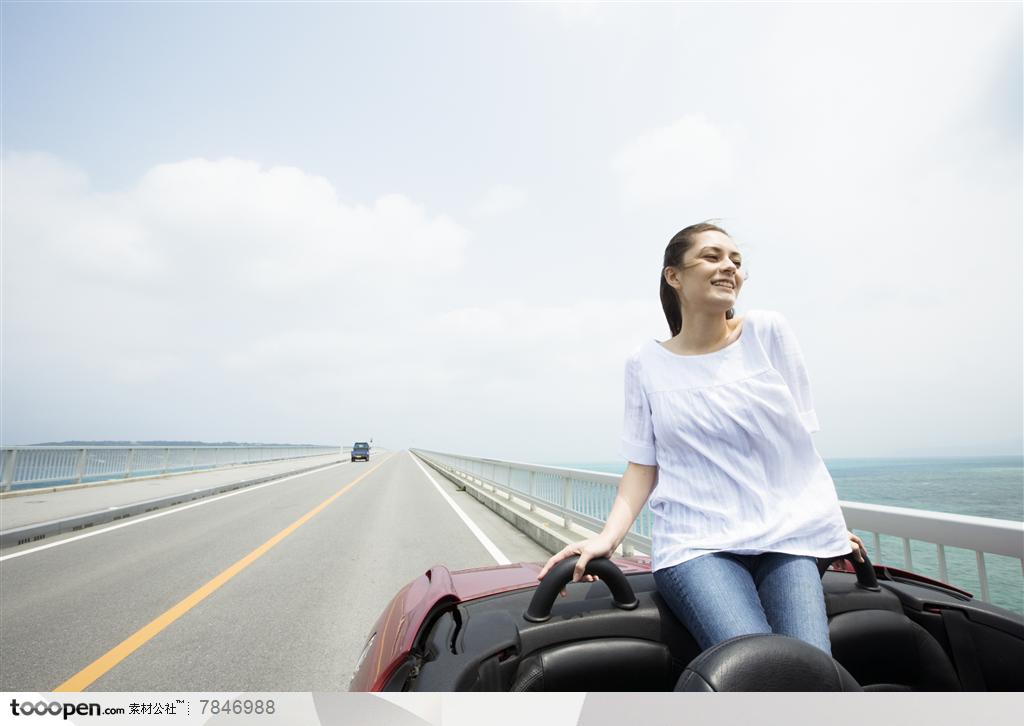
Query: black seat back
{"points": [[606, 664], [887, 651]]}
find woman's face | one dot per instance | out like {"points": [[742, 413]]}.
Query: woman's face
{"points": [[711, 275]]}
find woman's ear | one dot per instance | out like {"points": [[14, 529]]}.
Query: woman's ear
{"points": [[671, 275]]}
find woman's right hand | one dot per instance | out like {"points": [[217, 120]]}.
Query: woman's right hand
{"points": [[587, 550]]}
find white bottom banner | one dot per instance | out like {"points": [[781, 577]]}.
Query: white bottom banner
{"points": [[510, 709]]}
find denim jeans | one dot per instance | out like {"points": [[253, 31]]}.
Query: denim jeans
{"points": [[721, 595]]}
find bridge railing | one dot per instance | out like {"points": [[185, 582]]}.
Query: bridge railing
{"points": [[578, 498], [585, 498], [29, 467]]}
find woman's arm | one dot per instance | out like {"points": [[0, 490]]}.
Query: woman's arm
{"points": [[635, 487]]}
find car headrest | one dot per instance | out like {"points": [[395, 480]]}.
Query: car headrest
{"points": [[765, 663]]}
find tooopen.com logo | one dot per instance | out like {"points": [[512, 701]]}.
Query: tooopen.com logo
{"points": [[56, 708]]}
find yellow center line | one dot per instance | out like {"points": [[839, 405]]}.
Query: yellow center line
{"points": [[88, 675]]}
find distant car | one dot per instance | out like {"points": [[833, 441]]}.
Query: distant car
{"points": [[360, 451], [498, 629]]}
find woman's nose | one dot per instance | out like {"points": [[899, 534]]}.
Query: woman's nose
{"points": [[731, 268]]}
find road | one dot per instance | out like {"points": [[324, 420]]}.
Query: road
{"points": [[274, 587]]}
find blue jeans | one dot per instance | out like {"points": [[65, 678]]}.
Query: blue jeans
{"points": [[721, 595]]}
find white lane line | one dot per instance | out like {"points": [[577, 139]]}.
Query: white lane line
{"points": [[173, 510], [497, 554]]}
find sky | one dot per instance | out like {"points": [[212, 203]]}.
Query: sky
{"points": [[441, 225]]}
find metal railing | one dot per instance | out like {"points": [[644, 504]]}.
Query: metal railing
{"points": [[30, 467], [575, 497], [584, 499]]}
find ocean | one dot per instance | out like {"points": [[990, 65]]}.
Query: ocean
{"points": [[990, 486]]}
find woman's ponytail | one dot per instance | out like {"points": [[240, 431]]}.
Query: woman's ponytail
{"points": [[670, 304]]}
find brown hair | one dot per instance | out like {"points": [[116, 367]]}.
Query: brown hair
{"points": [[677, 247]]}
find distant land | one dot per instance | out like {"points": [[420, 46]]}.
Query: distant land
{"points": [[163, 443]]}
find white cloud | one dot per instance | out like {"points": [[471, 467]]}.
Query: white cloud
{"points": [[229, 223], [50, 212], [690, 157], [500, 200], [203, 277]]}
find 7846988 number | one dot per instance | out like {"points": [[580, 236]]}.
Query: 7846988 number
{"points": [[237, 707]]}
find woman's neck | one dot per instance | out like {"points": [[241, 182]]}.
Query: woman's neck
{"points": [[703, 333]]}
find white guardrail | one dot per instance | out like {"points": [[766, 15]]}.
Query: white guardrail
{"points": [[25, 467], [584, 499]]}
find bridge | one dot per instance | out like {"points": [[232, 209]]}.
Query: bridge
{"points": [[265, 572]]}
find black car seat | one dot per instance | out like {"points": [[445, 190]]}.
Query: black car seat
{"points": [[887, 651], [877, 643], [605, 664]]}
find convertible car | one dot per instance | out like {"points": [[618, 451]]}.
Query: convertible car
{"points": [[498, 629]]}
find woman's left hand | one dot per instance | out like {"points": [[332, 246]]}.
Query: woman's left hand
{"points": [[857, 547]]}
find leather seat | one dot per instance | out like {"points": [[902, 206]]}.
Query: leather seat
{"points": [[887, 651], [608, 664], [765, 663]]}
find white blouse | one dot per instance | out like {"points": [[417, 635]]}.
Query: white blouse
{"points": [[730, 432]]}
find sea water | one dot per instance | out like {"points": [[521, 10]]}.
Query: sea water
{"points": [[991, 486]]}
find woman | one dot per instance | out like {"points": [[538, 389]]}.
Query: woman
{"points": [[718, 434]]}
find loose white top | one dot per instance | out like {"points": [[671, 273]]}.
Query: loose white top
{"points": [[730, 432]]}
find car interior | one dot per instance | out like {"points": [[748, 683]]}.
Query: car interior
{"points": [[893, 634]]}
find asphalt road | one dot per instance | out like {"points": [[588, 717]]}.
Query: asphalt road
{"points": [[294, 619]]}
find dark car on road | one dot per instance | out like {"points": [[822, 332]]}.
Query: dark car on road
{"points": [[498, 629], [360, 451]]}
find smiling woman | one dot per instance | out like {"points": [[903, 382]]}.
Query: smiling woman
{"points": [[705, 257], [719, 418]]}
